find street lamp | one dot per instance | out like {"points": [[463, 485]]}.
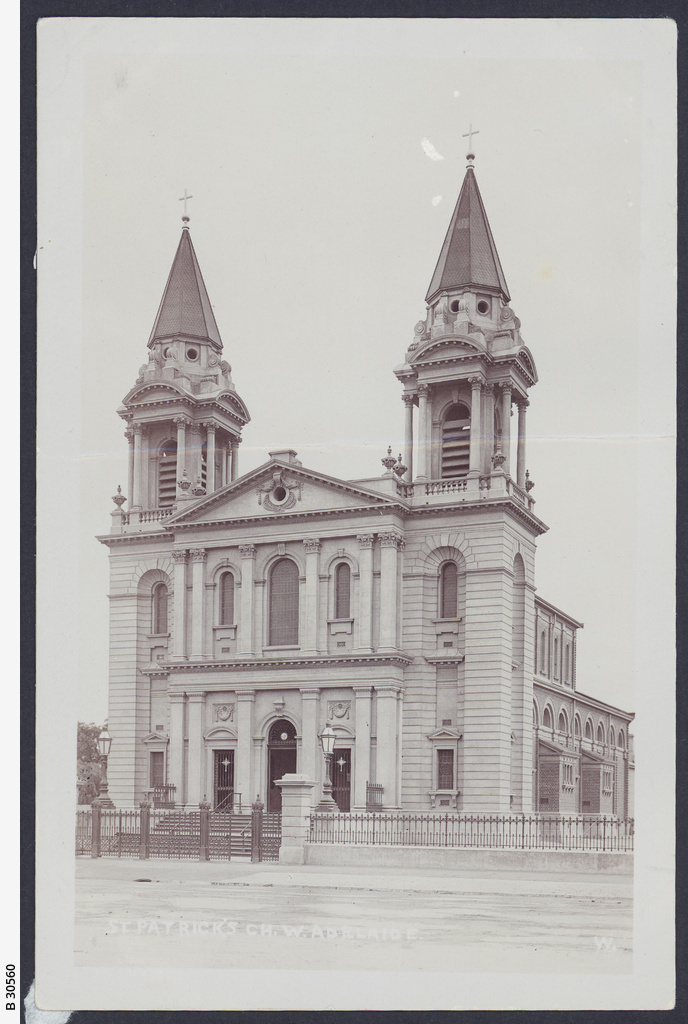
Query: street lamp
{"points": [[104, 744], [327, 739]]}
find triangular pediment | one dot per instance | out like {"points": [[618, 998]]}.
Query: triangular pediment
{"points": [[277, 489], [445, 734]]}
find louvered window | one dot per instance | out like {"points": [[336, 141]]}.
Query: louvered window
{"points": [[448, 591], [227, 599], [456, 441], [342, 591], [445, 769], [159, 608], [284, 604], [167, 475]]}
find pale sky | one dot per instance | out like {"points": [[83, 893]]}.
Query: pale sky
{"points": [[317, 217]]}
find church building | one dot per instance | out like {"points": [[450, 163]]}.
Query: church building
{"points": [[247, 611]]}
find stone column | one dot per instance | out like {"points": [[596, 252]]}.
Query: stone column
{"points": [[248, 558], [138, 460], [181, 423], [387, 743], [296, 813], [194, 729], [310, 617], [521, 450], [365, 590], [408, 400], [210, 457], [198, 560], [179, 638], [235, 458], [129, 434], [175, 755], [474, 467], [362, 762], [506, 427], [243, 782], [488, 428], [422, 432], [390, 543], [310, 744], [227, 464]]}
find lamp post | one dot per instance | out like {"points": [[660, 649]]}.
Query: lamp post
{"points": [[327, 739], [104, 744]]}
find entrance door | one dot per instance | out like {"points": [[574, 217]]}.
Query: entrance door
{"points": [[341, 778], [223, 778], [281, 759]]}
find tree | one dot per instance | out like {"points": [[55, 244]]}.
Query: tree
{"points": [[89, 768]]}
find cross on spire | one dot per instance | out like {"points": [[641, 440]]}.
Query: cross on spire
{"points": [[469, 135], [184, 199]]}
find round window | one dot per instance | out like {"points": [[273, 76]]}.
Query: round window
{"points": [[454, 305], [483, 307], [192, 354], [165, 352], [279, 494]]}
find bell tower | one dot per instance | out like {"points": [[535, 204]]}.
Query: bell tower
{"points": [[184, 416], [467, 365]]}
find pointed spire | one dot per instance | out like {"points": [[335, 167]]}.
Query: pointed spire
{"points": [[185, 308], [469, 255]]}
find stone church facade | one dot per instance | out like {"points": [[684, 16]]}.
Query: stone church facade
{"points": [[249, 610]]}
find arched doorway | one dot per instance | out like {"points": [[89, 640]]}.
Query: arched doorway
{"points": [[281, 759]]}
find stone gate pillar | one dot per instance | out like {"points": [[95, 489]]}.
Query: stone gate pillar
{"points": [[296, 812]]}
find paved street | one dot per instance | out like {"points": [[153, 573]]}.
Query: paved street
{"points": [[239, 915]]}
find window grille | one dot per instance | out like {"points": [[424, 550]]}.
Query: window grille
{"points": [[167, 475], [284, 604], [227, 599], [456, 441], [342, 591], [448, 591], [445, 769], [159, 607]]}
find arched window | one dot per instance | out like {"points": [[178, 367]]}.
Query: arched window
{"points": [[563, 723], [547, 718], [600, 733], [226, 599], [577, 727], [283, 627], [159, 608], [588, 730], [342, 591], [556, 657], [449, 589], [456, 440], [167, 474], [622, 740], [612, 737]]}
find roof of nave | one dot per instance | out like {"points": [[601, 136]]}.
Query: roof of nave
{"points": [[469, 255], [185, 307]]}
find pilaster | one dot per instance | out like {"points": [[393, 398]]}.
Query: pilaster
{"points": [[387, 744], [179, 638], [310, 620], [310, 746], [248, 559], [175, 757], [390, 543], [196, 708], [243, 781], [363, 698], [198, 560], [365, 591]]}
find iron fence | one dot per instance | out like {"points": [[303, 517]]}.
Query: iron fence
{"points": [[462, 831], [180, 835], [83, 833]]}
